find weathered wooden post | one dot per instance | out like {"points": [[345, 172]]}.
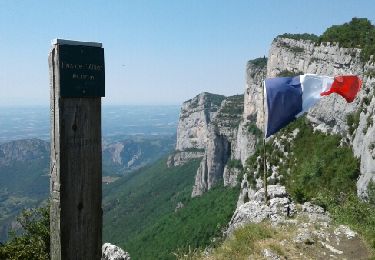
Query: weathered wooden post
{"points": [[77, 82]]}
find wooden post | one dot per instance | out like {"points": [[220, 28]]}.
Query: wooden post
{"points": [[77, 85]]}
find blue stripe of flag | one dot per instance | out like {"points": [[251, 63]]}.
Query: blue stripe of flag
{"points": [[284, 102]]}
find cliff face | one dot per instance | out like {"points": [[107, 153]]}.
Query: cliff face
{"points": [[193, 127], [23, 150], [233, 136], [220, 146], [195, 116], [325, 59], [128, 155], [251, 125], [331, 114]]}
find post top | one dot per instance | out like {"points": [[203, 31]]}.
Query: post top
{"points": [[70, 42]]}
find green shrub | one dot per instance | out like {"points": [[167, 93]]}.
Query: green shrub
{"points": [[358, 33], [371, 192], [326, 172], [288, 73], [254, 130], [33, 240], [258, 62], [352, 120], [298, 36], [234, 164]]}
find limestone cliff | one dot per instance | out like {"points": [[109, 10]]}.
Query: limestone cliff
{"points": [[224, 137], [195, 116], [23, 151], [331, 114], [251, 125], [220, 146], [192, 132]]}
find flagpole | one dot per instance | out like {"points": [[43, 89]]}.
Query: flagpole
{"points": [[264, 148]]}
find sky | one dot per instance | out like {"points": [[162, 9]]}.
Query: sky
{"points": [[157, 52]]}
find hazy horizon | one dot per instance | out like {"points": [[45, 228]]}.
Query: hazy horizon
{"points": [[118, 121], [156, 52]]}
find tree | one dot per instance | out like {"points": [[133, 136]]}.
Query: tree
{"points": [[32, 241]]}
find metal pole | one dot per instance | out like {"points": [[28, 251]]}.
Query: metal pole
{"points": [[264, 149]]}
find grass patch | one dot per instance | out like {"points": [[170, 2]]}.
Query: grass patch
{"points": [[319, 169], [248, 242], [328, 176]]}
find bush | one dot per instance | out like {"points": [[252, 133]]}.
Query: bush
{"points": [[288, 73], [298, 36], [371, 193], [33, 240], [358, 33], [352, 120], [254, 130], [234, 164], [258, 62]]}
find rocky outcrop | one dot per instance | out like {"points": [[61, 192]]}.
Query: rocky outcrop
{"points": [[195, 116], [279, 208], [199, 129], [113, 252], [220, 146], [210, 171], [308, 228], [330, 114], [251, 126], [364, 136], [248, 136], [253, 99], [115, 151], [23, 150], [325, 59], [180, 158], [230, 176], [132, 153]]}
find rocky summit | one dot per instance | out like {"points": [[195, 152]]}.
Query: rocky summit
{"points": [[229, 129], [228, 140]]}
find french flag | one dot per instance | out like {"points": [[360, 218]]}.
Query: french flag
{"points": [[288, 97]]}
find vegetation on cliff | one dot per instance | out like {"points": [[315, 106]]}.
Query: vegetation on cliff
{"points": [[300, 36], [230, 112], [258, 62], [358, 33], [318, 167]]}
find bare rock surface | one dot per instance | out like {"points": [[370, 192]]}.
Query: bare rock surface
{"points": [[195, 116], [113, 252], [279, 208], [23, 150], [231, 176], [180, 158]]}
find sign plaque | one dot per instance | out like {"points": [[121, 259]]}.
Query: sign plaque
{"points": [[81, 70]]}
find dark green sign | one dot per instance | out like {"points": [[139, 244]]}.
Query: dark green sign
{"points": [[81, 71]]}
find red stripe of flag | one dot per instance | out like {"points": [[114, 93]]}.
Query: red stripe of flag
{"points": [[347, 86]]}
